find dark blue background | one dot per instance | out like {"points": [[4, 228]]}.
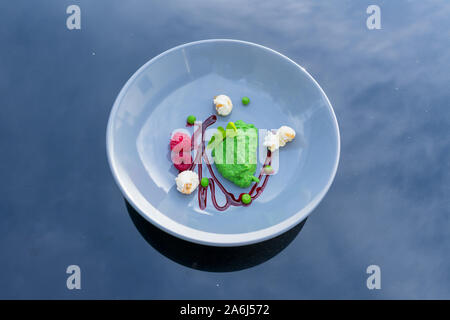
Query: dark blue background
{"points": [[389, 204]]}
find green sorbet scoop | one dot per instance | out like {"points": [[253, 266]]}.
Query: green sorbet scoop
{"points": [[234, 152]]}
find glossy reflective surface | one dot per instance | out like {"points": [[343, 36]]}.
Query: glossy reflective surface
{"points": [[387, 206]]}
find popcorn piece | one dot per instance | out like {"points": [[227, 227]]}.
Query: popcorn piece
{"points": [[223, 105], [187, 181], [285, 134]]}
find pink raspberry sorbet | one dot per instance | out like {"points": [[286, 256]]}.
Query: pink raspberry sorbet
{"points": [[180, 144], [180, 137]]}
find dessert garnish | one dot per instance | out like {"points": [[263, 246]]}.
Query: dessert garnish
{"points": [[191, 119], [223, 105], [181, 145], [187, 181]]}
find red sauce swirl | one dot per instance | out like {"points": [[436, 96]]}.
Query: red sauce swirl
{"points": [[231, 199]]}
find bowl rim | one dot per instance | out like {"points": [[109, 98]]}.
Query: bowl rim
{"points": [[176, 229]]}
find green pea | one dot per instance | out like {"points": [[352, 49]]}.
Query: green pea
{"points": [[191, 119], [246, 199], [268, 169], [245, 101], [204, 182]]}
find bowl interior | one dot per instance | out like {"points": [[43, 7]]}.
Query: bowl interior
{"points": [[156, 101]]}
